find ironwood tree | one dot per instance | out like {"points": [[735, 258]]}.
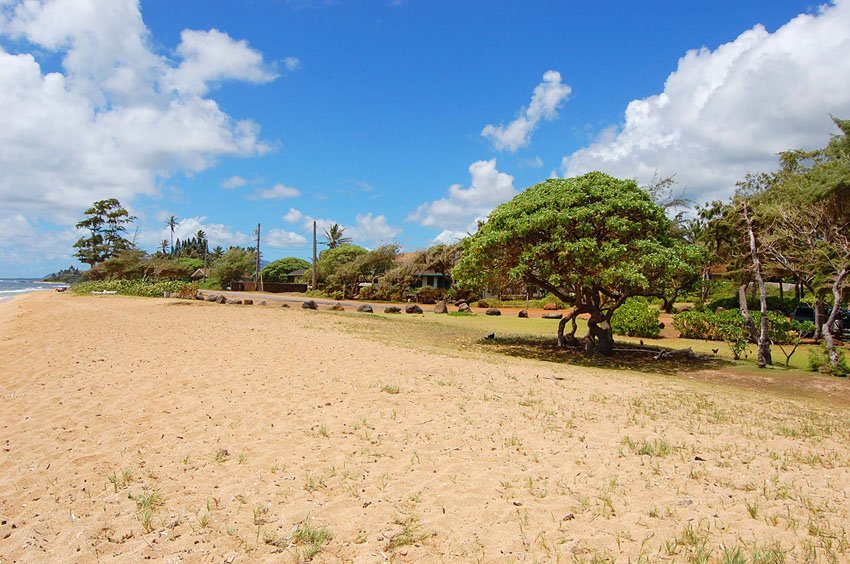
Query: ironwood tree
{"points": [[106, 222]]}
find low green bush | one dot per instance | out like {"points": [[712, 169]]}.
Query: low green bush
{"points": [[819, 362], [636, 318], [695, 324], [774, 303], [727, 326], [132, 287]]}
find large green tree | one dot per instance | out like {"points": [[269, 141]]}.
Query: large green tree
{"points": [[106, 222], [234, 264], [278, 270], [592, 241]]}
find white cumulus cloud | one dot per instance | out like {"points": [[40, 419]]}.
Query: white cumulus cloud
{"points": [[233, 183], [212, 56], [276, 192], [372, 229], [463, 206], [282, 239], [293, 216], [727, 112], [545, 100], [368, 229], [118, 118]]}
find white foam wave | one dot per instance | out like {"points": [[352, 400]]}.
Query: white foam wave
{"points": [[22, 290]]}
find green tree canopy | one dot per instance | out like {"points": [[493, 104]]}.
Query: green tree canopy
{"points": [[105, 221], [336, 266], [278, 270], [592, 241], [233, 265]]}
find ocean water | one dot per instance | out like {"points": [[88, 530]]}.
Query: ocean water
{"points": [[11, 287]]}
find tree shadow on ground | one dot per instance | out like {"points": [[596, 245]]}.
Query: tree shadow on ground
{"points": [[627, 356]]}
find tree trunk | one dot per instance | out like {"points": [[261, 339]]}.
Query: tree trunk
{"points": [[570, 339], [706, 279], [745, 312], [600, 337], [764, 357], [828, 338], [820, 315]]}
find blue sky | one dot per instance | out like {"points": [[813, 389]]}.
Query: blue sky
{"points": [[404, 121]]}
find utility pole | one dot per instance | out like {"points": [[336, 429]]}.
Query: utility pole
{"points": [[314, 255], [258, 284]]}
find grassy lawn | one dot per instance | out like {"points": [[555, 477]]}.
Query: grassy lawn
{"points": [[534, 338]]}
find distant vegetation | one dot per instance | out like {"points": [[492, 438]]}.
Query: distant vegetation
{"points": [[68, 275]]}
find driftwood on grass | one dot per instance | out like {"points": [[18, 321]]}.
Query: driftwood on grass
{"points": [[679, 354]]}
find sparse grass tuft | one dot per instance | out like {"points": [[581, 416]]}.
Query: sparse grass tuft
{"points": [[312, 538], [390, 389], [412, 532], [121, 482], [655, 448]]}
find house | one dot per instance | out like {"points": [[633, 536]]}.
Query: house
{"points": [[295, 276], [201, 274], [425, 278]]}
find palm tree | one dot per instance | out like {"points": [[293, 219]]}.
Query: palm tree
{"points": [[164, 245], [202, 241], [334, 236], [172, 224]]}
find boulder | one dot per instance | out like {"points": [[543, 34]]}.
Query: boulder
{"points": [[459, 302], [222, 299], [248, 302], [166, 294], [199, 296], [413, 308], [392, 309], [365, 308], [262, 302], [234, 302], [493, 311], [482, 303], [523, 313], [284, 304], [552, 315], [550, 306], [337, 307], [309, 304], [441, 307], [212, 298], [464, 308]]}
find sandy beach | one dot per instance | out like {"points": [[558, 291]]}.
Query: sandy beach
{"points": [[184, 431]]}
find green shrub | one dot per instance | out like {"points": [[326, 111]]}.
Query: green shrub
{"points": [[774, 303], [727, 326], [819, 362], [636, 318], [694, 324], [429, 295], [132, 287]]}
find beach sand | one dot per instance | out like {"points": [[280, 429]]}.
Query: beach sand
{"points": [[184, 431]]}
